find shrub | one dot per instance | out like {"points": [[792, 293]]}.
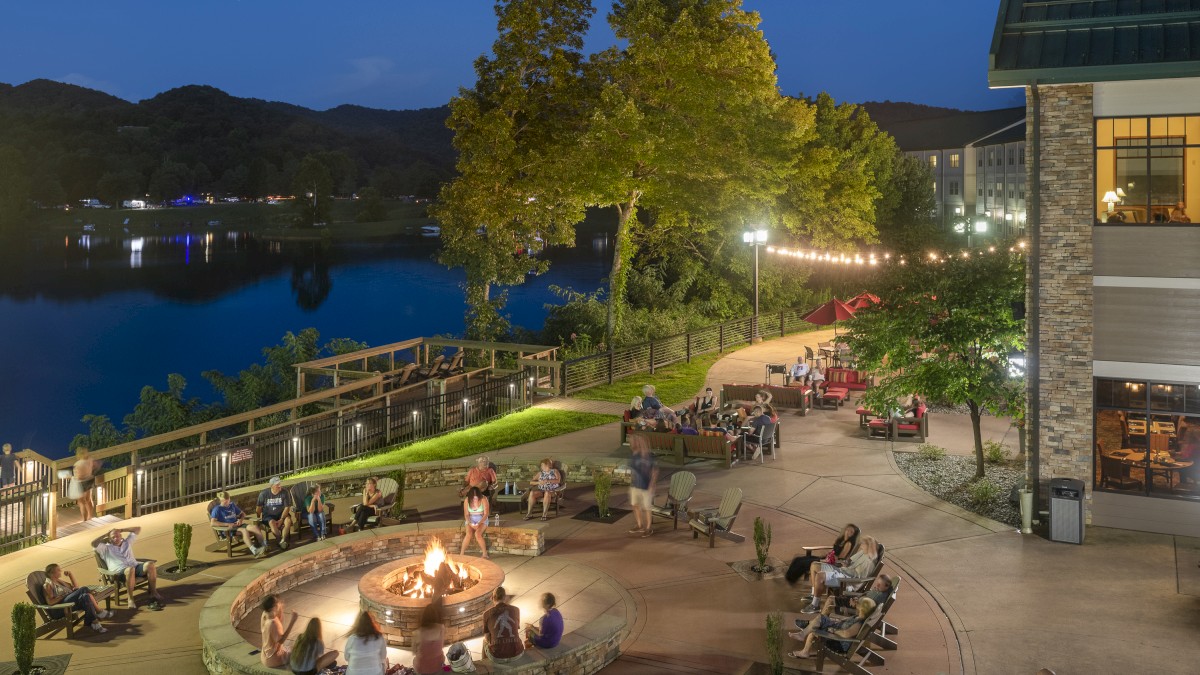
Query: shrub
{"points": [[603, 490], [930, 453], [183, 544], [24, 636], [398, 506], [994, 452], [762, 543], [775, 642], [982, 491]]}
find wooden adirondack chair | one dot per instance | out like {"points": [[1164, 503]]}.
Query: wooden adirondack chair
{"points": [[856, 656], [718, 522], [388, 488], [299, 491], [223, 536], [683, 483], [558, 495], [403, 377], [426, 372], [54, 617], [117, 578], [453, 365]]}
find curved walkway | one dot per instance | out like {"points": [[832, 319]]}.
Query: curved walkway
{"points": [[986, 600]]}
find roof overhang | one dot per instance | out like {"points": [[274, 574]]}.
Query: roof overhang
{"points": [[998, 79]]}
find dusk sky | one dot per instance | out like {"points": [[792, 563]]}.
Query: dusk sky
{"points": [[404, 54]]}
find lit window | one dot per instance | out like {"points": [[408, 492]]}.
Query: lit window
{"points": [[933, 161], [1140, 169], [954, 160], [935, 187]]}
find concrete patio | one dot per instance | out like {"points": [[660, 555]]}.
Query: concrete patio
{"points": [[985, 599]]}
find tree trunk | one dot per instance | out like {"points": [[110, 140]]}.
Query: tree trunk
{"points": [[622, 249], [974, 407], [480, 315]]}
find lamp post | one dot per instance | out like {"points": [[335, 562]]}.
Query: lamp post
{"points": [[755, 239], [965, 226]]}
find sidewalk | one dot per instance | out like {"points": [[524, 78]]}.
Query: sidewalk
{"points": [[977, 597]]}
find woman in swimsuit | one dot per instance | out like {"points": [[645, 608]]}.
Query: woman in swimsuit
{"points": [[475, 515]]}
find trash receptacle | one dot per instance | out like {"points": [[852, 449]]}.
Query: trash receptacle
{"points": [[1066, 510]]}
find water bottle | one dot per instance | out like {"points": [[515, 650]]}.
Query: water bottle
{"points": [[497, 519]]}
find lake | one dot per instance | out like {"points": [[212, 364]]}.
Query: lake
{"points": [[86, 320]]}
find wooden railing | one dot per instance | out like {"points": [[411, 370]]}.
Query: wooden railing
{"points": [[605, 367]]}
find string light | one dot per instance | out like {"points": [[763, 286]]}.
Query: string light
{"points": [[872, 258]]}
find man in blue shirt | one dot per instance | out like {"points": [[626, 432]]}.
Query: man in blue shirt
{"points": [[227, 515], [641, 486], [275, 510], [757, 422]]}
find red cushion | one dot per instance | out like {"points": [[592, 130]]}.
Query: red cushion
{"points": [[878, 424], [920, 411], [862, 411], [908, 427]]}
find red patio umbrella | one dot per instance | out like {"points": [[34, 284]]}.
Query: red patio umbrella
{"points": [[862, 300], [830, 312]]}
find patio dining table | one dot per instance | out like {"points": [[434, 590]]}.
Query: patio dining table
{"points": [[1169, 468]]}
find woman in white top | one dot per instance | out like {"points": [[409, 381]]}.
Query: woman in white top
{"points": [[366, 648], [83, 479], [825, 575]]}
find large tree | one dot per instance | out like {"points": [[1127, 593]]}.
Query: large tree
{"points": [[944, 329], [512, 132], [907, 221], [688, 124]]}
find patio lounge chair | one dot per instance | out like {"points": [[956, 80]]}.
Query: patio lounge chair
{"points": [[452, 366], [403, 377], [718, 522], [117, 578], [683, 483], [388, 488], [767, 442], [61, 616], [426, 372]]}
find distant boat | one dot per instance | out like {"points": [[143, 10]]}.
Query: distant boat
{"points": [[214, 223], [431, 231], [89, 228]]}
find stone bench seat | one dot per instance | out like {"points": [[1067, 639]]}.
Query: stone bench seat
{"points": [[584, 650]]}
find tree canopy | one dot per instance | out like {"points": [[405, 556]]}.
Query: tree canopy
{"points": [[944, 330]]}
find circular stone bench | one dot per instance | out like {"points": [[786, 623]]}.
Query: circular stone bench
{"points": [[584, 650]]}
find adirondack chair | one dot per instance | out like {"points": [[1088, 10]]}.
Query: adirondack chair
{"points": [[559, 495], [856, 655], [683, 483], [452, 366], [299, 491], [388, 488], [54, 617], [718, 522], [223, 536], [860, 584], [426, 372], [117, 578], [404, 376], [879, 636]]}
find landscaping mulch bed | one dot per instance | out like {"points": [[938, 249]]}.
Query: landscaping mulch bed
{"points": [[590, 515], [42, 665], [745, 569], [170, 571], [950, 478]]}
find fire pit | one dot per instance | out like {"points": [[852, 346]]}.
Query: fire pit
{"points": [[396, 592]]}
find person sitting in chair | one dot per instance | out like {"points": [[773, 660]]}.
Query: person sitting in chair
{"points": [[1178, 215], [757, 421], [650, 402], [825, 575], [706, 403], [543, 485], [370, 497], [847, 628], [798, 371], [275, 510], [481, 477], [816, 378], [57, 590], [116, 550], [226, 514]]}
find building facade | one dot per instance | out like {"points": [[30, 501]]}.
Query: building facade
{"points": [[1113, 138], [978, 164]]}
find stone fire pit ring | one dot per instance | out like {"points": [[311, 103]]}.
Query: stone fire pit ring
{"points": [[399, 616]]}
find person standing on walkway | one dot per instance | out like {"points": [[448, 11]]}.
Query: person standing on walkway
{"points": [[9, 463], [641, 486], [83, 479]]}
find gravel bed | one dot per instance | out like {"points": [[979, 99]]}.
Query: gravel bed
{"points": [[948, 479]]}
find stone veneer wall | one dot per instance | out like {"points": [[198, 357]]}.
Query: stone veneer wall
{"points": [[1067, 159]]}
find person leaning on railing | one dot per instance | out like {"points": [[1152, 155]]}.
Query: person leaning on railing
{"points": [[9, 463]]}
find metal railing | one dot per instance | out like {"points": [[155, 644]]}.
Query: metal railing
{"points": [[605, 367], [25, 511]]}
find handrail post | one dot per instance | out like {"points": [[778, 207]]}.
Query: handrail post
{"points": [[611, 365], [688, 336], [135, 465], [781, 332], [52, 504], [387, 419], [652, 357], [720, 338], [564, 378]]}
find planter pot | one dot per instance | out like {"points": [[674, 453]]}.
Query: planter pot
{"points": [[1026, 511]]}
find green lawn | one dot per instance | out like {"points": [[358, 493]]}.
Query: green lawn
{"points": [[526, 426], [673, 384]]}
